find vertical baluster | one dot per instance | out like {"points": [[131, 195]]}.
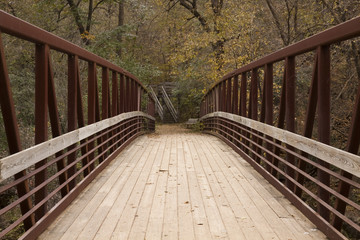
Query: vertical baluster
{"points": [[132, 97], [97, 119], [118, 93], [253, 104], [41, 118], [235, 95], [127, 95], [91, 104], [324, 120], [114, 99], [206, 108], [81, 121], [290, 113], [309, 121], [139, 96], [235, 107], [253, 108], [209, 101], [243, 93], [220, 97], [72, 112], [55, 125], [12, 134], [223, 96], [128, 100], [217, 98], [122, 101], [228, 96], [262, 118], [122, 93], [105, 93], [213, 109], [268, 91], [134, 89], [105, 103], [281, 120]]}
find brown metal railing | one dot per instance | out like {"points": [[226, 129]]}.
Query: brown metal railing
{"points": [[48, 176], [326, 189]]}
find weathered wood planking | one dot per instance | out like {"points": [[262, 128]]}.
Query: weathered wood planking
{"points": [[181, 186], [337, 157], [20, 161]]}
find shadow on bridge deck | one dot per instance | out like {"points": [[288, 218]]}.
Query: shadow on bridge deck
{"points": [[175, 184]]}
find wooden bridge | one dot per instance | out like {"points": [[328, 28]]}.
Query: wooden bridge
{"points": [[111, 175]]}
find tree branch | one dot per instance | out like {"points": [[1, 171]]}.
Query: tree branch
{"points": [[98, 4], [75, 13], [277, 22], [190, 7], [89, 17]]}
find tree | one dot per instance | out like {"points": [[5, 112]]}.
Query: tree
{"points": [[84, 27]]}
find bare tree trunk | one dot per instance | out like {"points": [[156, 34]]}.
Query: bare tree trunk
{"points": [[120, 24]]}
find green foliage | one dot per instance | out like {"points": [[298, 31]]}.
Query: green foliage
{"points": [[189, 95]]}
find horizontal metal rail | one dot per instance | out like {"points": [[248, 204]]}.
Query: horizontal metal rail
{"points": [[339, 33], [237, 106], [24, 30]]}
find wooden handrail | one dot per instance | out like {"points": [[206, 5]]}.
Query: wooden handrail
{"points": [[339, 158], [20, 161]]}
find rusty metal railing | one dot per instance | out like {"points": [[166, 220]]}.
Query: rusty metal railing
{"points": [[322, 181], [49, 175]]}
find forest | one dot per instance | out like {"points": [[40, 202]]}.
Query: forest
{"points": [[192, 43]]}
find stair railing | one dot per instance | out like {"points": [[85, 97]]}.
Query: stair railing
{"points": [[158, 107], [169, 104]]}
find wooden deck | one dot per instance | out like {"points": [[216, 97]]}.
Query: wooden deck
{"points": [[180, 185]]}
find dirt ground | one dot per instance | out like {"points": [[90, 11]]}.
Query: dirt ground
{"points": [[171, 129]]}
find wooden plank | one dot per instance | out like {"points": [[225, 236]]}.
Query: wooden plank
{"points": [[155, 223], [216, 224], [344, 160], [211, 169], [138, 229], [67, 219], [262, 193], [201, 226], [175, 186], [292, 218], [222, 174], [241, 188], [113, 192], [20, 161], [186, 229], [109, 224], [129, 213], [118, 181], [170, 225]]}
